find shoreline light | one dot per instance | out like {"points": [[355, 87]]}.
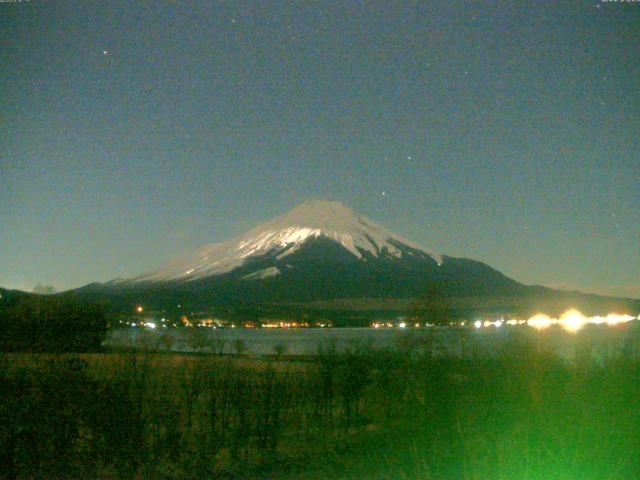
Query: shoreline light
{"points": [[540, 321], [572, 321]]}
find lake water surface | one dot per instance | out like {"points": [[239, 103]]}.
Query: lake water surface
{"points": [[597, 340]]}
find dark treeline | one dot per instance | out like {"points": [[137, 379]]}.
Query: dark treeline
{"points": [[397, 413], [50, 324]]}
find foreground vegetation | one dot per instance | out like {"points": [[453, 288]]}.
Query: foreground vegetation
{"points": [[396, 413], [35, 323]]}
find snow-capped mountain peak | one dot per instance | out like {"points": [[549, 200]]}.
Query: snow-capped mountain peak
{"points": [[285, 235]]}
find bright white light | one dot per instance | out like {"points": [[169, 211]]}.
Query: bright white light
{"points": [[151, 325], [572, 320], [615, 319], [540, 321], [402, 325]]}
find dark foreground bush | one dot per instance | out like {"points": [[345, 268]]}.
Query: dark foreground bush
{"points": [[50, 324]]}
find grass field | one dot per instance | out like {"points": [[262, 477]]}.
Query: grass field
{"points": [[396, 413]]}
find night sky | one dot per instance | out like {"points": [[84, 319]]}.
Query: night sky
{"points": [[507, 132]]}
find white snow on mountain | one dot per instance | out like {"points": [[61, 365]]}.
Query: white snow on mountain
{"points": [[262, 274], [286, 234]]}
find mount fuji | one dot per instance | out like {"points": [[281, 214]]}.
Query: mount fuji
{"points": [[288, 234], [322, 254]]}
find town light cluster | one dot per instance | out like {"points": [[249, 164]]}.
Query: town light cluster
{"points": [[571, 320]]}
